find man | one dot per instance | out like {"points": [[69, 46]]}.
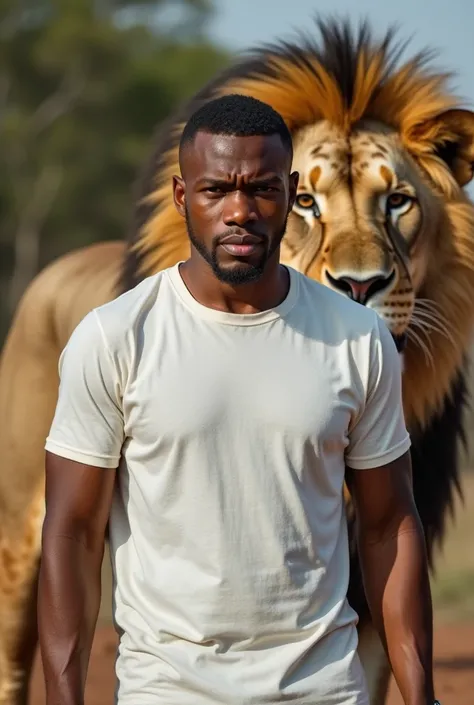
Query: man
{"points": [[212, 411]]}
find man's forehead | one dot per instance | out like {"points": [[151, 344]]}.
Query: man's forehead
{"points": [[222, 153]]}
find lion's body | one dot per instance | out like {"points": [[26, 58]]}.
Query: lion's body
{"points": [[28, 393], [364, 132]]}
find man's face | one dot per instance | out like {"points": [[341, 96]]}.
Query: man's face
{"points": [[236, 194]]}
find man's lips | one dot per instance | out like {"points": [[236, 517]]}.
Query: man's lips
{"points": [[241, 245], [241, 250]]}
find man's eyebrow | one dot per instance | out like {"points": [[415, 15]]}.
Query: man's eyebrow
{"points": [[225, 183], [265, 180], [210, 181]]}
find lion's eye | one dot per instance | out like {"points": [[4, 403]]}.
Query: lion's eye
{"points": [[307, 202], [398, 200]]}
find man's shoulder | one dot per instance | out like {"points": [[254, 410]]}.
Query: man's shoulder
{"points": [[124, 310], [115, 322]]}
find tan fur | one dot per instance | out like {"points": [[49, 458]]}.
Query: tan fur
{"points": [[375, 663], [350, 158], [52, 306], [19, 555]]}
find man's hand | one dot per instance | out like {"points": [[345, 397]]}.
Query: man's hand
{"points": [[395, 572], [78, 499]]}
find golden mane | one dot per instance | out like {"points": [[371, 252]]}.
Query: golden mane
{"points": [[346, 79]]}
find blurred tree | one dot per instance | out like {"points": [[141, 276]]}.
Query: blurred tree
{"points": [[82, 85]]}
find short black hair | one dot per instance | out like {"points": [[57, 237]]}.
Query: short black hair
{"points": [[238, 115]]}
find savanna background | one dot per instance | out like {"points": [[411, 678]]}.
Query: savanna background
{"points": [[83, 84]]}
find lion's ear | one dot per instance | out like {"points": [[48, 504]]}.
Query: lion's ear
{"points": [[450, 136]]}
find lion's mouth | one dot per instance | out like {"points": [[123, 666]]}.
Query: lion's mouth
{"points": [[400, 341]]}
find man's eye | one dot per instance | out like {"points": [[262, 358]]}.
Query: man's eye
{"points": [[266, 189]]}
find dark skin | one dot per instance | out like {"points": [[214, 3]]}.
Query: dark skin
{"points": [[236, 186], [78, 501], [395, 573]]}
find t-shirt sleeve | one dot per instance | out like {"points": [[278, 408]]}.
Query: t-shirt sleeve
{"points": [[88, 422], [379, 435]]}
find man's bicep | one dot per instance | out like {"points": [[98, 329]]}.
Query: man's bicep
{"points": [[78, 500], [380, 435], [383, 496], [88, 424]]}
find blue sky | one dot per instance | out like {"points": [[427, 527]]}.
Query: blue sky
{"points": [[445, 25]]}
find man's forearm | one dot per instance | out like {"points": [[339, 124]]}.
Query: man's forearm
{"points": [[398, 591], [68, 605]]}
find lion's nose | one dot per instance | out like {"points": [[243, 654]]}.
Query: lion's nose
{"points": [[361, 290]]}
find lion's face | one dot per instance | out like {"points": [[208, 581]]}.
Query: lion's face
{"points": [[381, 213], [362, 218]]}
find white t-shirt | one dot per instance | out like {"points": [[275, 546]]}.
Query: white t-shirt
{"points": [[228, 533]]}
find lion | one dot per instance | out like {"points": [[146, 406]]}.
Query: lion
{"points": [[384, 151]]}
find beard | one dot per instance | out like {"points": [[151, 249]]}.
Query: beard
{"points": [[239, 272]]}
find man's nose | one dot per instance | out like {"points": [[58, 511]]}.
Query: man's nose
{"points": [[239, 208]]}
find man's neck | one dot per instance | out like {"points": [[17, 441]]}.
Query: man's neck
{"points": [[266, 293]]}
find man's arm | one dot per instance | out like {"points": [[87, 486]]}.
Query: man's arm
{"points": [[82, 455], [390, 536], [395, 573], [78, 499]]}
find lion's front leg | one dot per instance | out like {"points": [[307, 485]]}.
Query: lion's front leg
{"points": [[375, 663], [19, 561]]}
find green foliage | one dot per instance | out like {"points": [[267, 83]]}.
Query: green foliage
{"points": [[454, 594], [83, 84], [453, 581]]}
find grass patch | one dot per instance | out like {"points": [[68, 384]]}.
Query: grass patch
{"points": [[453, 582], [453, 595]]}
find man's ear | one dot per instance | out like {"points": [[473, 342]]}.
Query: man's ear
{"points": [[179, 195], [449, 136]]}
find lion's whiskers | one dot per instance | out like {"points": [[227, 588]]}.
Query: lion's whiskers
{"points": [[427, 319], [421, 344]]}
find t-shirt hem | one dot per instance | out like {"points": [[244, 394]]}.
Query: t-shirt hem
{"points": [[102, 461], [374, 461]]}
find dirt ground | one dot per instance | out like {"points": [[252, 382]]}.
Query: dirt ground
{"points": [[454, 650]]}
